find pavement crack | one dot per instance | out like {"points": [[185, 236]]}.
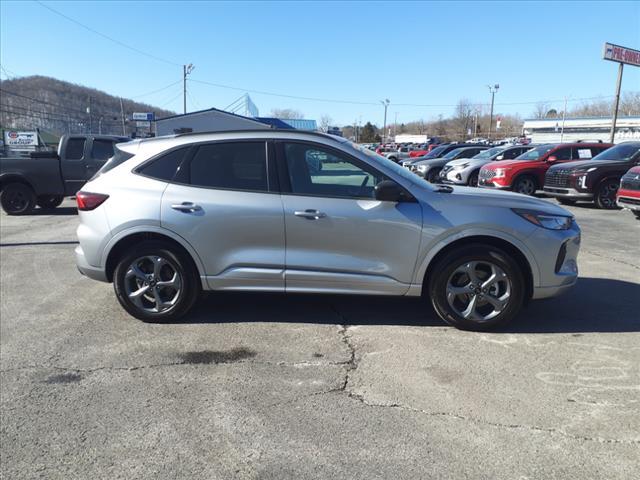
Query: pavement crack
{"points": [[351, 364], [606, 257]]}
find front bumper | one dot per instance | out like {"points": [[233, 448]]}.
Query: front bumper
{"points": [[95, 273], [572, 193], [559, 270], [451, 177], [629, 199]]}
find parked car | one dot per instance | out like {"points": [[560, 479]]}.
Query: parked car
{"points": [[400, 154], [594, 180], [423, 150], [628, 194], [525, 174], [45, 178], [430, 169], [168, 217], [437, 151], [465, 171]]}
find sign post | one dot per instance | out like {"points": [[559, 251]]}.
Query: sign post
{"points": [[622, 55]]}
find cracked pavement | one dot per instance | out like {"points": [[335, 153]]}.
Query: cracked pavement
{"points": [[273, 386]]}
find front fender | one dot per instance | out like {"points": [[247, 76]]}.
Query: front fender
{"points": [[432, 249]]}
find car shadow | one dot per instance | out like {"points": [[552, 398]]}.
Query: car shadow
{"points": [[54, 211], [593, 305]]}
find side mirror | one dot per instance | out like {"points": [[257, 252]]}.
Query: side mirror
{"points": [[552, 158], [388, 191], [500, 157]]}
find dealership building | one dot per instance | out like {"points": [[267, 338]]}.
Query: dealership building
{"points": [[550, 130]]}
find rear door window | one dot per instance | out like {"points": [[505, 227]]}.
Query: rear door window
{"points": [[562, 153], [582, 153], [231, 166], [102, 149], [75, 149]]}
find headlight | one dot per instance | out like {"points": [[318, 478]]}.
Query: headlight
{"points": [[461, 167], [500, 172], [423, 168], [545, 220]]}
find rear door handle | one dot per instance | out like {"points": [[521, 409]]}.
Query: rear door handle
{"points": [[186, 207], [310, 214]]}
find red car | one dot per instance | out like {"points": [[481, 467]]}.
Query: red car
{"points": [[628, 195], [423, 151], [525, 174]]}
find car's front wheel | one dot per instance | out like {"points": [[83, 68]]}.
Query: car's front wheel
{"points": [[433, 176], [605, 196], [473, 179], [526, 185], [155, 282], [477, 287]]}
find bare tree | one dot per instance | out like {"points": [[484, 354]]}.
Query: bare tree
{"points": [[325, 123], [541, 110], [463, 118], [286, 113]]}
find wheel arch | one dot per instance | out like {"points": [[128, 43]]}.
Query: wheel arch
{"points": [[8, 178], [119, 244], [520, 254]]}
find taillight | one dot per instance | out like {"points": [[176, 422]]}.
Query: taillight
{"points": [[89, 201]]}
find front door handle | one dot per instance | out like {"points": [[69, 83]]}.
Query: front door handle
{"points": [[186, 207], [310, 214]]}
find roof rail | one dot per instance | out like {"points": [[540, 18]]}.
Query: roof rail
{"points": [[260, 130]]}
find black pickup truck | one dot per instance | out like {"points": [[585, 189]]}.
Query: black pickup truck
{"points": [[45, 178]]}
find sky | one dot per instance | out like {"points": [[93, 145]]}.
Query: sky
{"points": [[422, 56]]}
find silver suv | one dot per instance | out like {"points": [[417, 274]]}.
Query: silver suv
{"points": [[287, 211]]}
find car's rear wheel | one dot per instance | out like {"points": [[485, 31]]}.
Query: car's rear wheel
{"points": [[477, 287], [605, 197], [17, 199], [473, 179], [49, 201], [526, 185], [433, 176], [155, 282], [566, 201]]}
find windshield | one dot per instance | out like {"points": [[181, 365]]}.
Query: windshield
{"points": [[489, 153], [535, 153], [621, 152], [435, 152], [453, 153], [397, 169]]}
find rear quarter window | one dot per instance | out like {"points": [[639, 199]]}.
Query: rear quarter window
{"points": [[75, 149], [164, 167], [102, 149]]}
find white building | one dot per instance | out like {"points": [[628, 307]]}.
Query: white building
{"points": [[550, 130], [211, 120]]}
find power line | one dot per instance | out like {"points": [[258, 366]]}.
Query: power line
{"points": [[156, 91], [111, 39], [170, 101]]}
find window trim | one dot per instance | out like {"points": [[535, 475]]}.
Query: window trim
{"points": [[285, 182], [137, 170]]}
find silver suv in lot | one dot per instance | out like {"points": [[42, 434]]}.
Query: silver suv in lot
{"points": [[288, 211]]}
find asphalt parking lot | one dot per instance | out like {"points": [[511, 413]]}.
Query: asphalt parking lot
{"points": [[273, 386]]}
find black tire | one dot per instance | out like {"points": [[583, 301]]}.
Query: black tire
{"points": [[525, 184], [393, 159], [566, 201], [605, 195], [17, 199], [433, 176], [176, 261], [473, 179], [637, 214], [49, 201], [447, 269]]}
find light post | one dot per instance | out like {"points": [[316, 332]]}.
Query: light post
{"points": [[386, 103], [493, 89], [186, 70]]}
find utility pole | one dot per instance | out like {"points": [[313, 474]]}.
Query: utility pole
{"points": [[564, 114], [386, 103], [395, 127], [493, 89], [186, 70], [90, 119], [122, 116], [616, 104]]}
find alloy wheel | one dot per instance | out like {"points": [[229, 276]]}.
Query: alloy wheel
{"points": [[478, 290], [526, 186], [17, 201], [153, 283], [607, 194]]}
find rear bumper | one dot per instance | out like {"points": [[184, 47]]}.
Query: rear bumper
{"points": [[95, 273], [571, 193]]}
